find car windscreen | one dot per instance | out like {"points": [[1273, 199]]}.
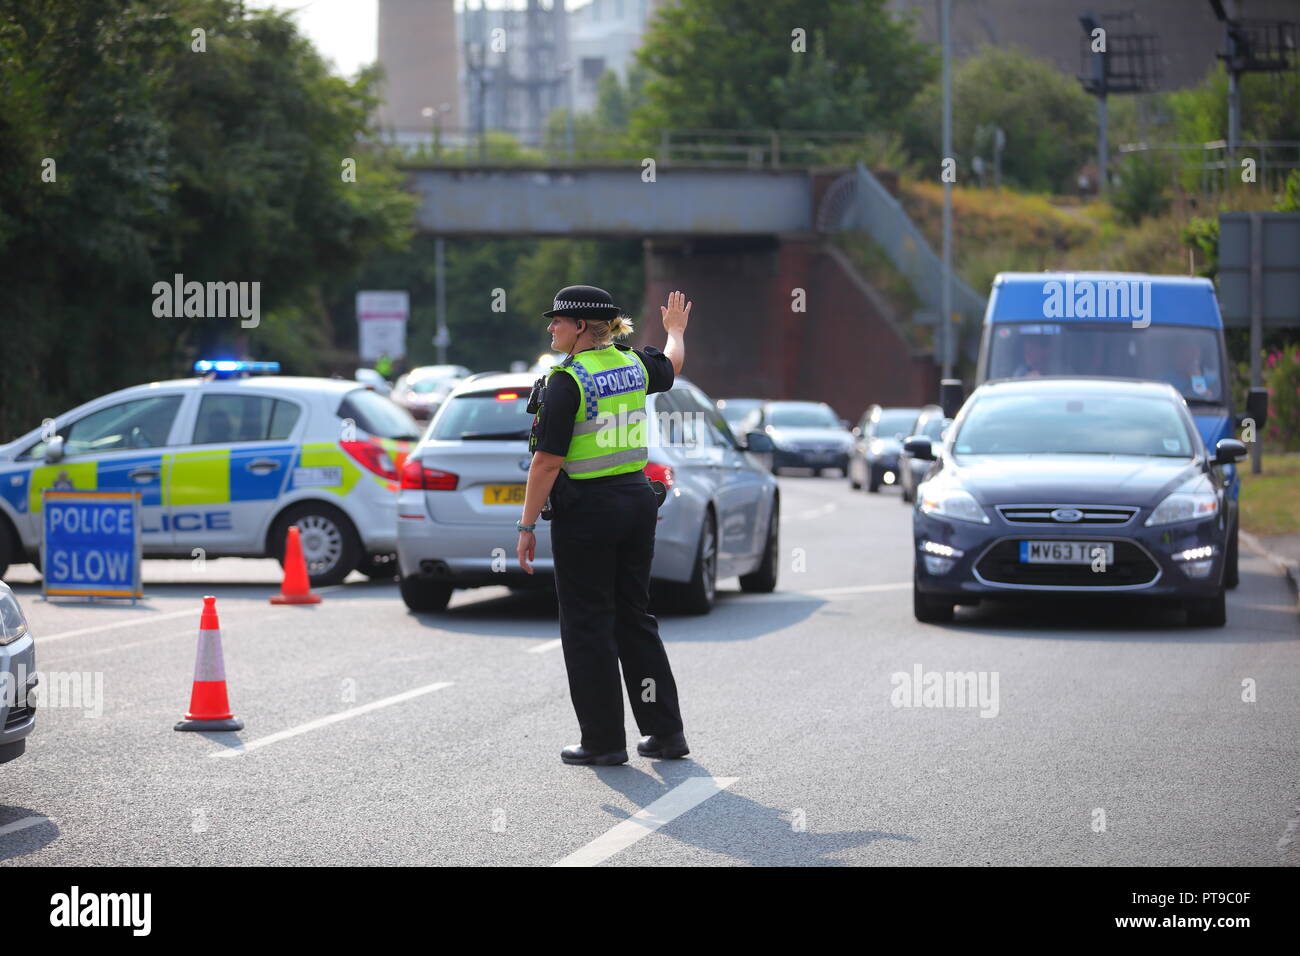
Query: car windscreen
{"points": [[735, 412], [893, 423], [501, 414], [1074, 424], [1187, 358], [801, 416], [378, 415]]}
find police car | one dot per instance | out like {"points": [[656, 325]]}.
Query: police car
{"points": [[226, 462]]}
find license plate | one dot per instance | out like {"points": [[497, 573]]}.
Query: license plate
{"points": [[503, 494], [1066, 552]]}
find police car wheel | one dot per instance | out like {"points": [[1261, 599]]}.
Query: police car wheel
{"points": [[378, 567], [330, 544], [8, 546], [422, 595], [699, 593]]}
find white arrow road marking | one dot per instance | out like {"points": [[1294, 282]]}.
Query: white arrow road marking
{"points": [[863, 588], [690, 793], [818, 511], [543, 648], [244, 747], [22, 824]]}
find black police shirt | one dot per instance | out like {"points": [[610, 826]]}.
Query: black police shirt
{"points": [[556, 418]]}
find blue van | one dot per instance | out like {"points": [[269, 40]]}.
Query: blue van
{"points": [[1124, 325]]}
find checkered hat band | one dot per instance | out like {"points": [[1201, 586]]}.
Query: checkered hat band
{"points": [[566, 304]]}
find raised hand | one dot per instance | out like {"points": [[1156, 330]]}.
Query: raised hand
{"points": [[676, 314]]}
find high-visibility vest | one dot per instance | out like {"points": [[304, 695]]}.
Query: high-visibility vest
{"points": [[609, 430]]}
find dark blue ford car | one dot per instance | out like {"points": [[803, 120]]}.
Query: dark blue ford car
{"points": [[1074, 485]]}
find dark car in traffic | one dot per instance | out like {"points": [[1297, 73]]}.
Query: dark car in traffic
{"points": [[1074, 486], [804, 435], [877, 442], [911, 471]]}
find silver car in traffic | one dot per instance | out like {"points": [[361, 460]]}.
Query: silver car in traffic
{"points": [[17, 677], [462, 488]]}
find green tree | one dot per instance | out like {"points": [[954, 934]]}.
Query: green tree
{"points": [[1049, 122], [222, 164], [731, 64]]}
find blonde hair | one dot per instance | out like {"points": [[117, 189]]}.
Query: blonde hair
{"points": [[605, 330]]}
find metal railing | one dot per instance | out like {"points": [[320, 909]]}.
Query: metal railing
{"points": [[555, 146], [1210, 168]]}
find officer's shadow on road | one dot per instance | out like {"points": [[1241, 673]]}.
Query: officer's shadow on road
{"points": [[24, 831], [737, 826], [735, 617]]}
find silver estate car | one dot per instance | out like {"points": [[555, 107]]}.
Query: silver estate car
{"points": [[462, 488], [17, 677]]}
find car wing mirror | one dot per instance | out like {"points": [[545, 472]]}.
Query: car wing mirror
{"points": [[1229, 450], [54, 450], [919, 447], [1257, 406], [758, 442]]}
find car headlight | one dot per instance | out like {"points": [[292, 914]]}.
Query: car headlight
{"points": [[12, 623], [951, 502], [1192, 501], [877, 447]]}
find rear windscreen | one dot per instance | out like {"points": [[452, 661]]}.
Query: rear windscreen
{"points": [[377, 415], [501, 414]]}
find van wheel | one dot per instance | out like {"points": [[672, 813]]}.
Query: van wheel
{"points": [[698, 595], [763, 579], [422, 595], [873, 479], [330, 545]]}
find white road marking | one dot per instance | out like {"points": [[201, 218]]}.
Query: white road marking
{"points": [[119, 647], [862, 588], [543, 648], [244, 747], [196, 613], [674, 803], [22, 824], [818, 511]]}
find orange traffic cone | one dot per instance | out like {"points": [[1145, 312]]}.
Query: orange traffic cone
{"points": [[294, 589], [209, 709]]}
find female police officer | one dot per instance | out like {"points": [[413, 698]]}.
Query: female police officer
{"points": [[592, 427]]}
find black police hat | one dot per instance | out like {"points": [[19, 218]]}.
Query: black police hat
{"points": [[584, 302]]}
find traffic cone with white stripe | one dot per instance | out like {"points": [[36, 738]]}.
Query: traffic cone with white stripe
{"points": [[296, 587], [209, 708]]}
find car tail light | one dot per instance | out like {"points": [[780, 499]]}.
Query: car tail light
{"points": [[415, 475], [657, 472], [507, 396], [372, 457]]}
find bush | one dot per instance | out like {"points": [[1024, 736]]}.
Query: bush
{"points": [[1140, 191], [1282, 378]]}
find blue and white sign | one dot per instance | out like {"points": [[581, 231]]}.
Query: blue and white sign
{"points": [[91, 545]]}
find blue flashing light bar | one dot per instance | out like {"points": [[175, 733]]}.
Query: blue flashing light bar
{"points": [[227, 368]]}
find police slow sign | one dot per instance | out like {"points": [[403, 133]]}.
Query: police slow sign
{"points": [[91, 545]]}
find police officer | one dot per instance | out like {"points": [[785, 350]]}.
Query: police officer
{"points": [[590, 440]]}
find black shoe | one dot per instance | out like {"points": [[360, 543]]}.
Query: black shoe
{"points": [[664, 746], [576, 753]]}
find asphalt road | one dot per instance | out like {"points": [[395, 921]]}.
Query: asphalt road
{"points": [[377, 736]]}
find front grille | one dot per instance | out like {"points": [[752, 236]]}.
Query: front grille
{"points": [[1105, 516], [19, 715], [1001, 564]]}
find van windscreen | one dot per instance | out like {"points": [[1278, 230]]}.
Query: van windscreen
{"points": [[1185, 357]]}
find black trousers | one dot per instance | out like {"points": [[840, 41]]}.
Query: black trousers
{"points": [[603, 547]]}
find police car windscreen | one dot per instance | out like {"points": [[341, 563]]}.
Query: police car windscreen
{"points": [[379, 416], [498, 415], [1080, 424], [1185, 357]]}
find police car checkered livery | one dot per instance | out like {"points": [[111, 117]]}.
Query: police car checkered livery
{"points": [[225, 463]]}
